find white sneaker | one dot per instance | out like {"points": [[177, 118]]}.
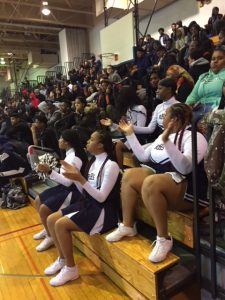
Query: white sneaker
{"points": [[121, 232], [40, 235], [161, 249], [55, 267], [45, 244], [65, 275]]}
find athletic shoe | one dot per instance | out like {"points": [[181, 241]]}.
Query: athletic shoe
{"points": [[65, 275], [161, 249], [121, 232], [55, 267], [45, 244], [40, 235]]}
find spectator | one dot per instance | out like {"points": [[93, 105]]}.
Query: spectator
{"points": [[197, 64], [163, 37], [207, 90], [44, 139], [214, 21], [113, 76], [19, 133], [222, 36], [183, 80], [173, 34]]}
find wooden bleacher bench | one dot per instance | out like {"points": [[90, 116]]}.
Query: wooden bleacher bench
{"points": [[125, 262]]}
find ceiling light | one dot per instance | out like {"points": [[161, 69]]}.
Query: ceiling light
{"points": [[2, 62], [10, 53], [45, 11]]}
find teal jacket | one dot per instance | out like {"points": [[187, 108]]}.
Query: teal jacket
{"points": [[208, 89]]}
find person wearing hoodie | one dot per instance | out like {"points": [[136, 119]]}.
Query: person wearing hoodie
{"points": [[207, 90], [197, 64]]}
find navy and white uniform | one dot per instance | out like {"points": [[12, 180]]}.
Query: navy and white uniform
{"points": [[58, 197], [167, 158], [157, 118], [136, 115], [95, 211]]}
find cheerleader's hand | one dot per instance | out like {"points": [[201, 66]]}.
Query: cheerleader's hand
{"points": [[168, 130], [43, 168], [125, 127], [106, 122], [71, 172]]}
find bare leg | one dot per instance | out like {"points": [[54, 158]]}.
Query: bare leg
{"points": [[130, 192], [51, 220], [63, 228], [44, 212], [37, 203], [119, 149], [161, 193]]}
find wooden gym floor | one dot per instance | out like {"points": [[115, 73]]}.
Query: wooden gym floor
{"points": [[21, 266]]}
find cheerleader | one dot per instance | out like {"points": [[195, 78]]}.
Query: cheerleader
{"points": [[165, 182], [58, 197], [94, 213]]}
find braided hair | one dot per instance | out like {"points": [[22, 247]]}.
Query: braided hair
{"points": [[183, 113]]}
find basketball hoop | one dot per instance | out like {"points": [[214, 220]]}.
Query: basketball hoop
{"points": [[109, 58]]}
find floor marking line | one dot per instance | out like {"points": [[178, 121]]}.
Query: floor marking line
{"points": [[15, 231], [36, 269]]}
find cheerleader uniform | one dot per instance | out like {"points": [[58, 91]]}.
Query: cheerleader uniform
{"points": [[157, 118], [58, 197], [95, 211], [167, 158]]}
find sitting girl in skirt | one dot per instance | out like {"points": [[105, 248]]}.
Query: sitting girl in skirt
{"points": [[165, 181], [94, 211], [58, 197]]}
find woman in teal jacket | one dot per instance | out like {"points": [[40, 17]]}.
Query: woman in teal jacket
{"points": [[207, 90]]}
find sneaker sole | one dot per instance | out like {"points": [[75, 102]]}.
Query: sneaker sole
{"points": [[117, 240], [55, 285]]}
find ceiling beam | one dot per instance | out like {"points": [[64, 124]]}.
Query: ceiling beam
{"points": [[69, 10], [47, 22], [19, 40], [30, 31], [26, 26]]}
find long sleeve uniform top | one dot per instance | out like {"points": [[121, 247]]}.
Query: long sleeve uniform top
{"points": [[157, 118], [136, 115], [159, 152], [108, 178], [72, 159]]}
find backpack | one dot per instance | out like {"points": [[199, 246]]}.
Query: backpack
{"points": [[13, 197], [215, 155]]}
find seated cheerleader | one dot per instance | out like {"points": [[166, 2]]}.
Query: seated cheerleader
{"points": [[167, 93], [93, 212], [165, 181], [58, 197]]}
